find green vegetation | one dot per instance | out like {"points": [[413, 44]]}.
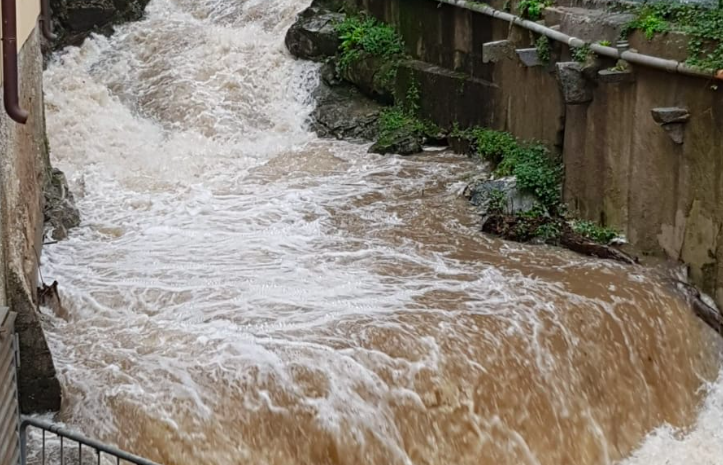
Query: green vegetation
{"points": [[397, 120], [580, 54], [537, 222], [497, 202], [539, 173], [536, 170], [550, 231], [595, 233], [703, 25], [361, 36], [401, 120], [544, 52], [605, 43], [532, 9]]}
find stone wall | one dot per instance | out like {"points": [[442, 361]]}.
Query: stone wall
{"points": [[24, 171], [622, 168]]}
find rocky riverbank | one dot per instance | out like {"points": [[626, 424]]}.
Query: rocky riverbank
{"points": [[74, 20], [366, 95]]}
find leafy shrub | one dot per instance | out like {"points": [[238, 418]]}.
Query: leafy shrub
{"points": [[703, 25], [592, 231], [497, 202], [580, 54], [397, 120], [544, 53], [366, 36], [536, 170], [532, 9]]}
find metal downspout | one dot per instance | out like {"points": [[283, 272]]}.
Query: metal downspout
{"points": [[46, 25], [632, 57], [10, 63]]}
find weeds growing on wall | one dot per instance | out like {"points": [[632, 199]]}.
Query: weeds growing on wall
{"points": [[594, 232], [402, 119], [532, 9], [703, 25], [536, 170], [362, 36], [397, 120], [544, 51], [580, 54]]}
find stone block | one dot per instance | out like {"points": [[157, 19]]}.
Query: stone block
{"points": [[613, 76], [668, 115], [675, 132], [492, 52], [575, 88], [529, 57]]}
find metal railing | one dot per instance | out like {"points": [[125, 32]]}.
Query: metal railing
{"points": [[70, 447], [9, 412]]}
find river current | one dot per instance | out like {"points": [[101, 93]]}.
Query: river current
{"points": [[243, 292]]}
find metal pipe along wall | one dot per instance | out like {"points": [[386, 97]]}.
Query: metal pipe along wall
{"points": [[10, 63]]}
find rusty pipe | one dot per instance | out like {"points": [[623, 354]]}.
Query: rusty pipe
{"points": [[10, 62], [46, 24]]}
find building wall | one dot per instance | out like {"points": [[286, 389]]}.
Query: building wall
{"points": [[27, 11], [24, 170]]}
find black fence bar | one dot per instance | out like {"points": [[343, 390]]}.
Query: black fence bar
{"points": [[62, 433]]}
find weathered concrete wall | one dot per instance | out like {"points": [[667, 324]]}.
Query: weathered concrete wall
{"points": [[24, 170], [622, 168], [460, 85]]}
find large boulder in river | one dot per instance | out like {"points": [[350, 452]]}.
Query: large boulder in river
{"points": [[482, 193], [60, 211], [399, 142], [74, 20], [313, 36]]}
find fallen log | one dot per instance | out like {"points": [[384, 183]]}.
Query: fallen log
{"points": [[526, 229], [710, 315], [577, 243]]}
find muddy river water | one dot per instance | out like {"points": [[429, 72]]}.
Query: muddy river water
{"points": [[242, 292]]}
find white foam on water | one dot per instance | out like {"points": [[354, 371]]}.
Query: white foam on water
{"points": [[702, 444]]}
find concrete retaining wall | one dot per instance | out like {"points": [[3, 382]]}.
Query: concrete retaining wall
{"points": [[622, 168]]}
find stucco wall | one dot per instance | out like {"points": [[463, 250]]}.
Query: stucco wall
{"points": [[621, 167], [27, 11], [24, 168]]}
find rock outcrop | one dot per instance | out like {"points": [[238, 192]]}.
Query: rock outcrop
{"points": [[374, 77], [60, 211], [481, 193], [74, 20], [343, 113], [351, 98], [401, 142], [313, 36]]}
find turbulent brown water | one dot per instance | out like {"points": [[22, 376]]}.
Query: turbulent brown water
{"points": [[241, 292]]}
